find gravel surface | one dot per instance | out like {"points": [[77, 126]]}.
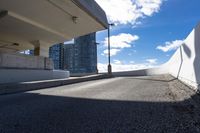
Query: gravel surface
{"points": [[150, 104]]}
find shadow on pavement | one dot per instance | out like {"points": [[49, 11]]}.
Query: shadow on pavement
{"points": [[57, 114]]}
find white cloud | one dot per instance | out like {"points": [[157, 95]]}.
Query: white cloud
{"points": [[148, 7], [131, 52], [152, 61], [112, 52], [119, 42], [129, 11], [168, 46], [118, 66], [122, 40], [132, 62], [102, 67], [123, 67], [117, 62]]}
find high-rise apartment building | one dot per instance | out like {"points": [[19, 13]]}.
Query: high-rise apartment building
{"points": [[56, 53], [77, 57], [69, 57], [85, 54], [81, 57]]}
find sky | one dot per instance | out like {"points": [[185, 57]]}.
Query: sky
{"points": [[146, 32]]}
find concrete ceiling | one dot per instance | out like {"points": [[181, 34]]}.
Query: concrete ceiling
{"points": [[52, 21]]}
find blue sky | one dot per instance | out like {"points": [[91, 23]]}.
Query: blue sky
{"points": [[147, 32]]}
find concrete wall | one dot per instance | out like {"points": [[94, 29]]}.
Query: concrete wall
{"points": [[23, 68], [23, 75], [143, 72], [185, 63], [24, 62]]}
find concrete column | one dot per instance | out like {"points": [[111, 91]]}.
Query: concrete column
{"points": [[41, 48]]}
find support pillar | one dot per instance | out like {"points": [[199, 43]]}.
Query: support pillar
{"points": [[41, 48]]}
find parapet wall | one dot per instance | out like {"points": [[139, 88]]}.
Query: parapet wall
{"points": [[143, 72], [184, 64], [27, 75], [15, 68], [20, 61]]}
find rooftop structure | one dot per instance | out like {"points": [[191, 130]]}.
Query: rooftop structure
{"points": [[36, 24], [26, 24]]}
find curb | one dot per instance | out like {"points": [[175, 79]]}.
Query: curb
{"points": [[28, 86]]}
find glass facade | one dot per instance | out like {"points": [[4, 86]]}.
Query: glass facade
{"points": [[56, 54], [85, 54], [69, 57], [80, 57]]}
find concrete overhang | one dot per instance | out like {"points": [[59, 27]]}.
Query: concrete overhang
{"points": [[51, 21]]}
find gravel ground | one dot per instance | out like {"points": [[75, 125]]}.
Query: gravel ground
{"points": [[150, 104]]}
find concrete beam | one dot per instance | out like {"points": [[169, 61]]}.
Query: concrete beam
{"points": [[3, 13], [22, 25]]}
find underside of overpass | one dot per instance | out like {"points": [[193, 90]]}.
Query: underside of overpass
{"points": [[36, 24]]}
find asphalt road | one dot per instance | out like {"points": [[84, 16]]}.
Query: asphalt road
{"points": [[117, 105]]}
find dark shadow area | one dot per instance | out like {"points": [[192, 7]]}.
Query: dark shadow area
{"points": [[181, 57], [183, 48], [187, 50], [57, 114]]}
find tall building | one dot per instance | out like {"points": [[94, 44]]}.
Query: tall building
{"points": [[56, 53], [85, 54], [81, 57], [69, 57], [77, 57]]}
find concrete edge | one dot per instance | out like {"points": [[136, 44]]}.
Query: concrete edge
{"points": [[189, 86], [28, 86]]}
